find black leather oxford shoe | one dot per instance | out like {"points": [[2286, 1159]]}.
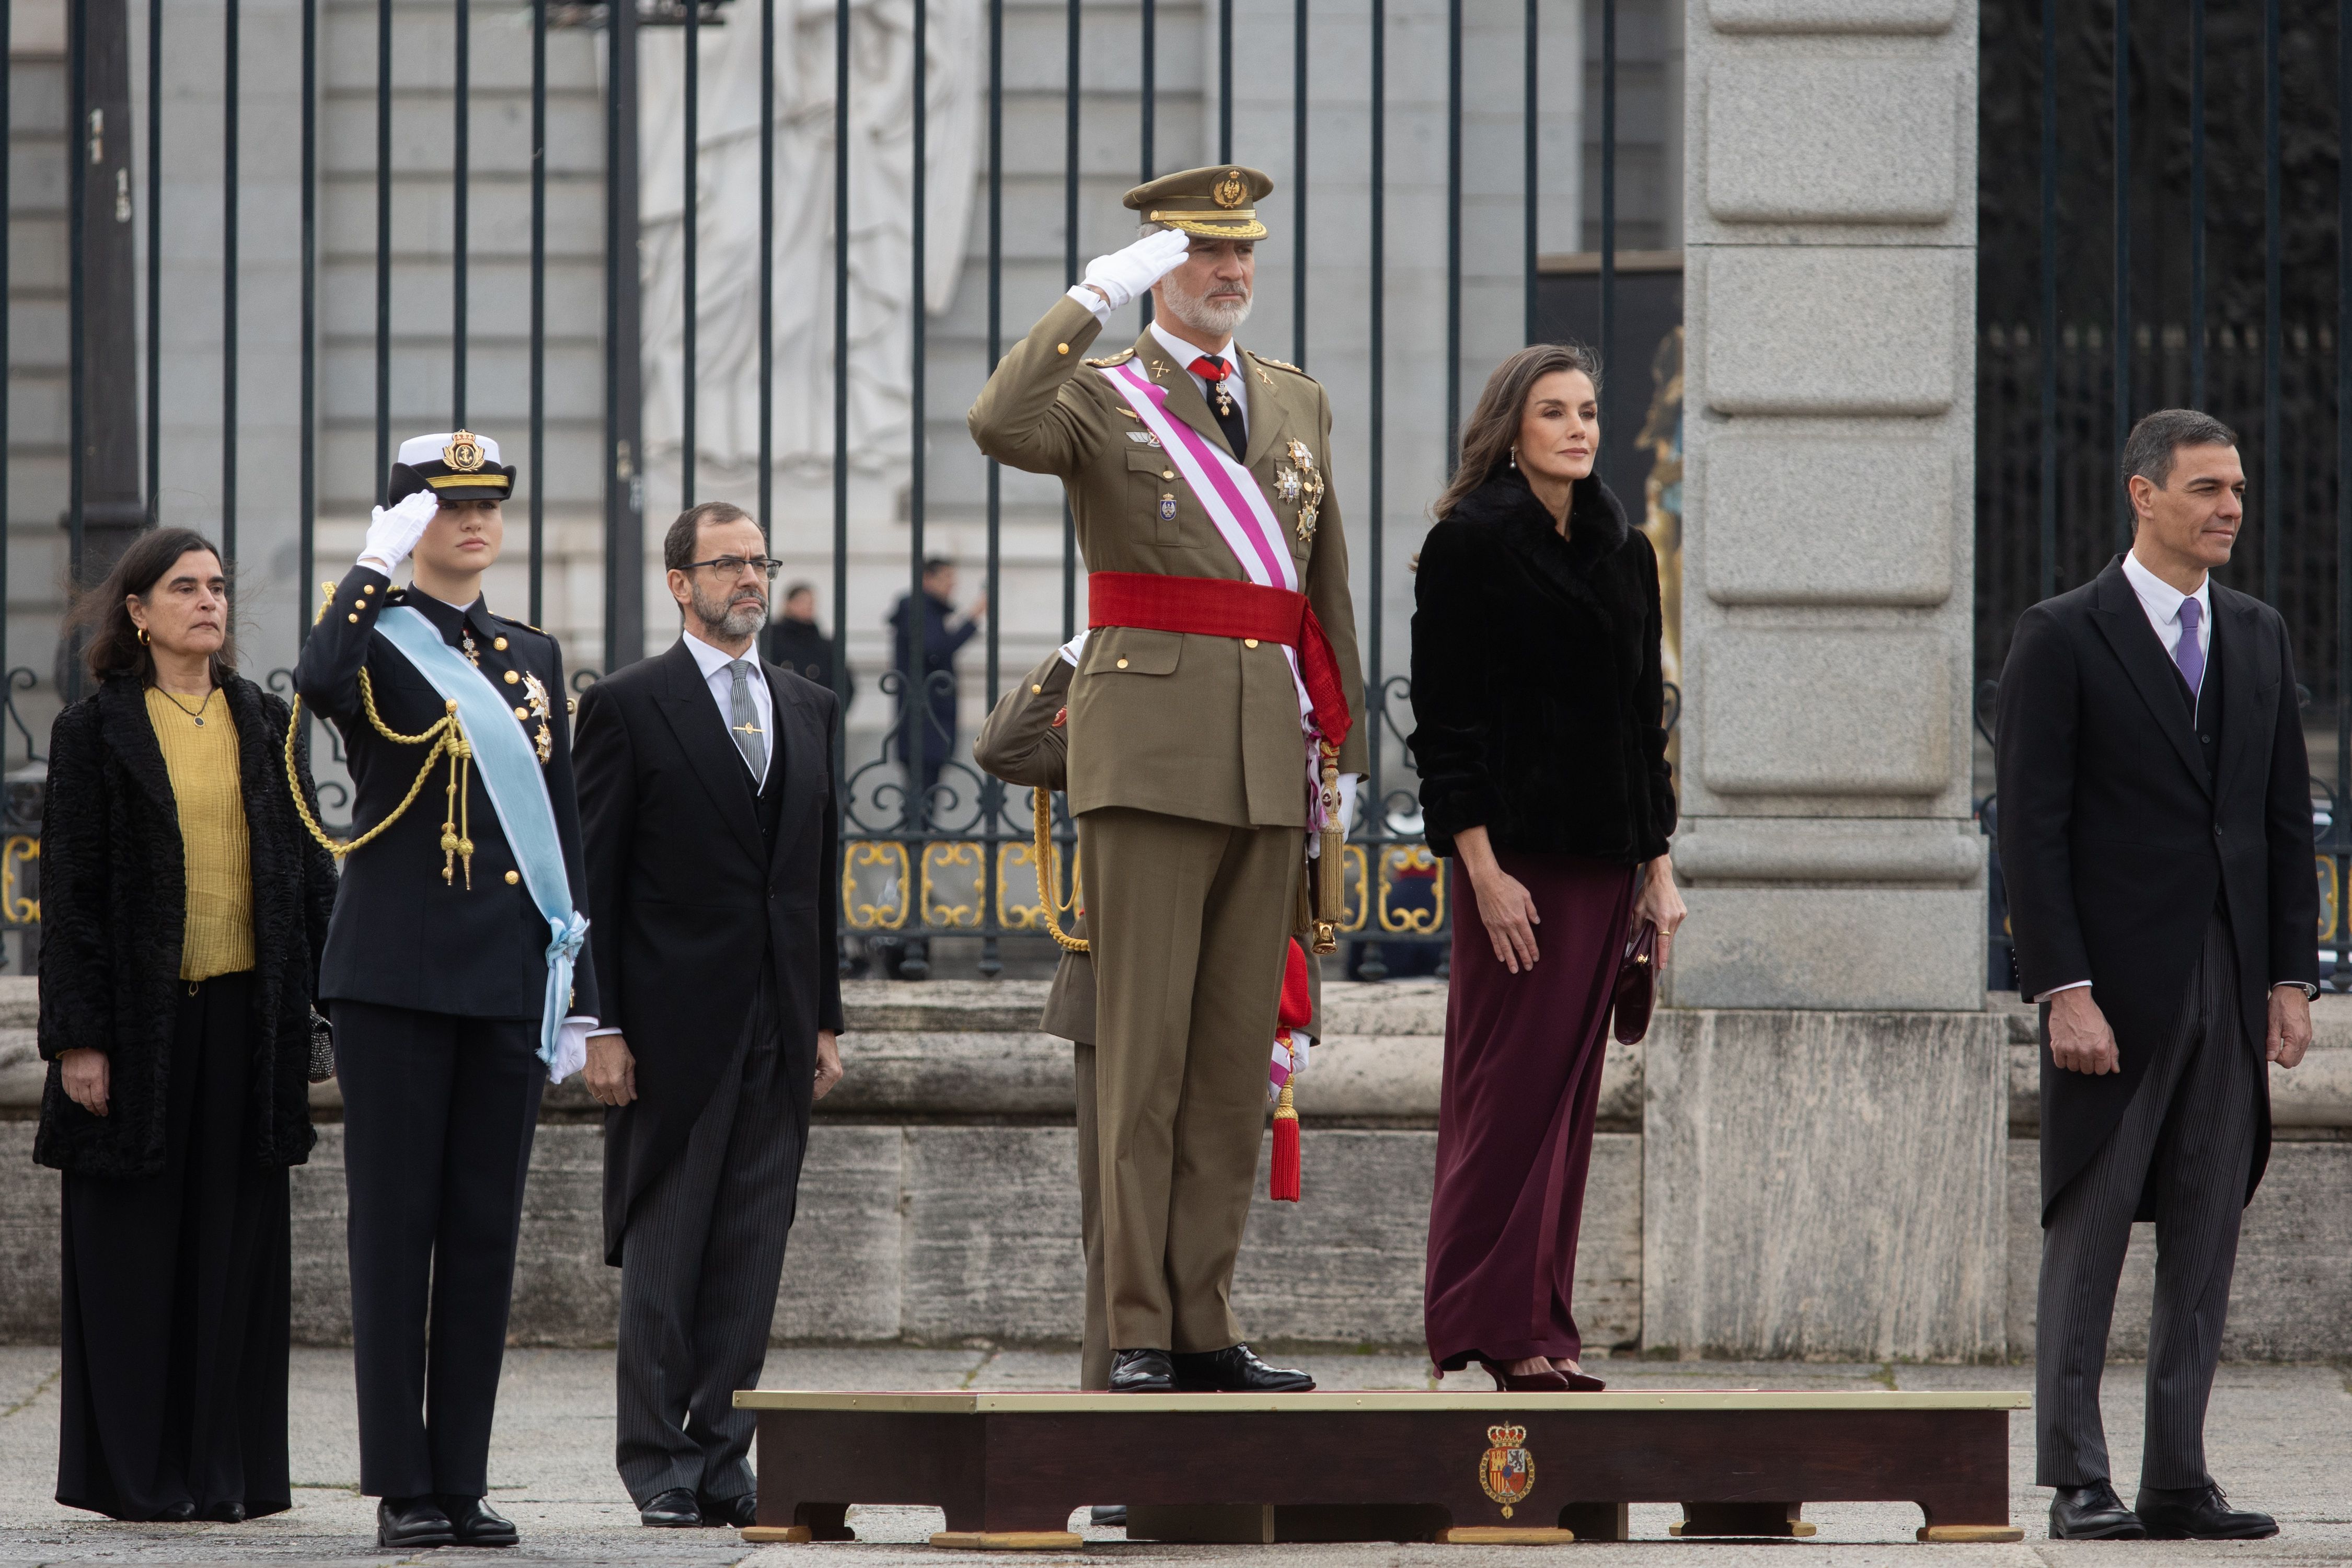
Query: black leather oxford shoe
{"points": [[2199, 1513], [1234, 1370], [412, 1523], [1142, 1371], [2093, 1512], [734, 1512], [672, 1509], [1107, 1516], [475, 1523], [230, 1512]]}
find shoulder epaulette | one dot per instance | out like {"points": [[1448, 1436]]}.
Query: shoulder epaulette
{"points": [[509, 620], [1278, 364], [1109, 360]]}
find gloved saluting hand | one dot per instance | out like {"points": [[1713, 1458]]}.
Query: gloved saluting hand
{"points": [[1127, 275], [393, 530]]}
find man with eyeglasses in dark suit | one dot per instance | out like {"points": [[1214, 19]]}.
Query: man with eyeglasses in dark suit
{"points": [[707, 803]]}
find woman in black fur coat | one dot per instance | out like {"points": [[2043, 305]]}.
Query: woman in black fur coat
{"points": [[1540, 739], [183, 905]]}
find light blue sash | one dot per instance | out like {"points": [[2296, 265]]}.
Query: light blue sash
{"points": [[517, 789]]}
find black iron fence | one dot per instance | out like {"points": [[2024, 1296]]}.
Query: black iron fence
{"points": [[956, 858], [2165, 188]]}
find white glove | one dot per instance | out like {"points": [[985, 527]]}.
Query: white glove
{"points": [[1127, 275], [1348, 783], [1072, 648], [571, 1045], [393, 530]]}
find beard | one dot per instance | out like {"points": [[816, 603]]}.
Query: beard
{"points": [[741, 613], [1221, 314]]}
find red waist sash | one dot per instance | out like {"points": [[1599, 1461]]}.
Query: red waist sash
{"points": [[1224, 607]]}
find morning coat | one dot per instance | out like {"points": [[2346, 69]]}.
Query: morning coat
{"points": [[2118, 842], [688, 899]]}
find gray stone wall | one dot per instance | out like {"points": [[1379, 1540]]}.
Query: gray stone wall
{"points": [[939, 1205], [1828, 429]]}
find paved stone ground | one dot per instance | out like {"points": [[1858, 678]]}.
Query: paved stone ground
{"points": [[2281, 1437]]}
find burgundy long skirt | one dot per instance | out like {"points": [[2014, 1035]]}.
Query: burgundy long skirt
{"points": [[1523, 1056]]}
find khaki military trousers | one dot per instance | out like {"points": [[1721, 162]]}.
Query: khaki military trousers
{"points": [[1188, 921]]}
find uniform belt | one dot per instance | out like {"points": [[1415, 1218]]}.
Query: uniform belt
{"points": [[1226, 607]]}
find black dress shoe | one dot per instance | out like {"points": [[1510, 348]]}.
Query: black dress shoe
{"points": [[733, 1512], [672, 1509], [231, 1512], [412, 1522], [2199, 1513], [1142, 1371], [2093, 1512], [475, 1523], [1107, 1516], [1234, 1370]]}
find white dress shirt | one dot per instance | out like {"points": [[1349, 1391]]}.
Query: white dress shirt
{"points": [[1184, 353], [713, 662], [2162, 602]]}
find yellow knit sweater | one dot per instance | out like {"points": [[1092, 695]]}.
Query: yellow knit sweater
{"points": [[201, 759]]}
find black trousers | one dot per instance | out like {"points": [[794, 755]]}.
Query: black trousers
{"points": [[2186, 1141], [700, 1267], [438, 1113], [176, 1293]]}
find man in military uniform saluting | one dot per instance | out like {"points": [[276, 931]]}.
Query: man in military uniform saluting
{"points": [[456, 971], [1211, 728]]}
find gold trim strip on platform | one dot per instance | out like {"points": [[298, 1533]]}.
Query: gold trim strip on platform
{"points": [[1399, 1400]]}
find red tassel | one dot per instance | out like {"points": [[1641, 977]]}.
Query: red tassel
{"points": [[1283, 1185]]}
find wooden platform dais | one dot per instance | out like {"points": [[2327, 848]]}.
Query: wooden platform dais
{"points": [[1008, 1468], [1503, 1535]]}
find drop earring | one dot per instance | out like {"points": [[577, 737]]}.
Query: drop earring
{"points": [[143, 634], [1515, 457]]}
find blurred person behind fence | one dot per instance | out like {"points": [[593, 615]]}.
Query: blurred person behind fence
{"points": [[928, 673], [183, 909]]}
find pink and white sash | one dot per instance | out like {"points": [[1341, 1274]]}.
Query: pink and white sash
{"points": [[1236, 503]]}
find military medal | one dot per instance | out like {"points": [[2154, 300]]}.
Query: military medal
{"points": [[1301, 486], [466, 645], [1167, 508], [535, 702]]}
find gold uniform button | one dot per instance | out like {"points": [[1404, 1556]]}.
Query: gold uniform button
{"points": [[1167, 473], [369, 589], [1249, 642], [500, 644], [1122, 664], [522, 713], [513, 678], [353, 618], [1037, 690], [512, 878], [1061, 348]]}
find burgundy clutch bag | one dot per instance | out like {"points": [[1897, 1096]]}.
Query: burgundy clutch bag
{"points": [[1637, 984]]}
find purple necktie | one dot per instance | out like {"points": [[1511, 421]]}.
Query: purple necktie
{"points": [[2190, 655]]}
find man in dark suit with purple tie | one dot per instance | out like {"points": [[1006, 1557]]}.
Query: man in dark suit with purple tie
{"points": [[2156, 840]]}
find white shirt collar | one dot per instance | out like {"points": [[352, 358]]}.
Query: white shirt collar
{"points": [[711, 660], [2162, 599], [1187, 352]]}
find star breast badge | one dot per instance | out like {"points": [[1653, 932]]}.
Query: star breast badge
{"points": [[535, 702], [1300, 485]]}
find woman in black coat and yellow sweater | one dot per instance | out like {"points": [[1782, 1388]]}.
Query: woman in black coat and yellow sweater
{"points": [[183, 909], [1539, 734]]}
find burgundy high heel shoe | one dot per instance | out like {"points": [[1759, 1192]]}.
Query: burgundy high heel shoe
{"points": [[1509, 1381], [1580, 1383]]}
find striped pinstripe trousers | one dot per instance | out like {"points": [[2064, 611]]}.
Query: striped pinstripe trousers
{"points": [[2186, 1141], [699, 1267]]}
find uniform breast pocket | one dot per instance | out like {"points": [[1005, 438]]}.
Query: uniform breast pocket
{"points": [[1133, 650], [1155, 490]]}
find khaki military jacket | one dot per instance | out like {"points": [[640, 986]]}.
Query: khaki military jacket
{"points": [[1192, 726]]}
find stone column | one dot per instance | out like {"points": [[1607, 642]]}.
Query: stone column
{"points": [[1806, 1161]]}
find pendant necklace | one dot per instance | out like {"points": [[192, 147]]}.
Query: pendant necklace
{"points": [[197, 713]]}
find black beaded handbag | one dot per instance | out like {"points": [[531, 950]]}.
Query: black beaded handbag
{"points": [[323, 1047]]}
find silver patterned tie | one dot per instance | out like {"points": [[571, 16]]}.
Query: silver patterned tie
{"points": [[748, 738]]}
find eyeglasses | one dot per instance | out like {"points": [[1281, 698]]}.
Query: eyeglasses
{"points": [[732, 565]]}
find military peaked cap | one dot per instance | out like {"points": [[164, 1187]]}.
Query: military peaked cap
{"points": [[457, 466], [1216, 202]]}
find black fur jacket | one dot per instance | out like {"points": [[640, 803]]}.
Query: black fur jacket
{"points": [[114, 913], [1536, 696]]}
